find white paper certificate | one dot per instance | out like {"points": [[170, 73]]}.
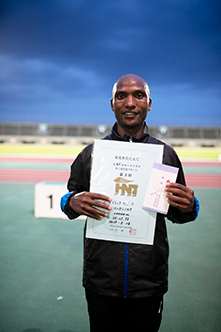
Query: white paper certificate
{"points": [[121, 170]]}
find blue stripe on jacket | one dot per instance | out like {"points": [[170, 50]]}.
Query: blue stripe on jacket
{"points": [[197, 206]]}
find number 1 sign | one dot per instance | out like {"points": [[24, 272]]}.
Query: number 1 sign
{"points": [[47, 200]]}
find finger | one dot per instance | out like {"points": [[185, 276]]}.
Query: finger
{"points": [[96, 196], [100, 211], [178, 195], [177, 186], [86, 203], [101, 205], [97, 201], [182, 203], [91, 198], [179, 190], [94, 213], [175, 200], [179, 205], [89, 208]]}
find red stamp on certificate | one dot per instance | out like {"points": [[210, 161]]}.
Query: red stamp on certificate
{"points": [[133, 231]]}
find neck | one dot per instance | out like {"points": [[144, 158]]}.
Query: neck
{"points": [[133, 132]]}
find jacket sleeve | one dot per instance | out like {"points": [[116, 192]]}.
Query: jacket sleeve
{"points": [[175, 215], [79, 180]]}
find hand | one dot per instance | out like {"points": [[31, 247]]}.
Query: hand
{"points": [[86, 203], [180, 196]]}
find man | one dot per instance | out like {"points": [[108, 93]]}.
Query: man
{"points": [[125, 283]]}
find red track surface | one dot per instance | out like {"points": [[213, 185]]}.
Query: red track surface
{"points": [[34, 176], [203, 180], [51, 160]]}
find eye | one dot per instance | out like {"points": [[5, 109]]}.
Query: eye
{"points": [[139, 95], [120, 95]]}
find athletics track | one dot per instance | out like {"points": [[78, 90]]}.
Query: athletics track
{"points": [[41, 258], [200, 174]]}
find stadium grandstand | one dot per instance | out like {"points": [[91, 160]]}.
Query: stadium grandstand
{"points": [[44, 133]]}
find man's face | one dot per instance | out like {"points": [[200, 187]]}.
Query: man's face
{"points": [[130, 103]]}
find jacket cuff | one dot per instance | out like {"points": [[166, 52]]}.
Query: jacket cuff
{"points": [[65, 206]]}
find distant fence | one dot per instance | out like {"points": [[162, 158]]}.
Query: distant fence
{"points": [[72, 134]]}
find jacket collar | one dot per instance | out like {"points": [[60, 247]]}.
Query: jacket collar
{"points": [[115, 136]]}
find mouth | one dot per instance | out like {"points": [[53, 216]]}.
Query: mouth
{"points": [[130, 113]]}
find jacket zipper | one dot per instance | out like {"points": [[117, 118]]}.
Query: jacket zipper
{"points": [[126, 258]]}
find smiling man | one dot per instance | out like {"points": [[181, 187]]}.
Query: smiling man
{"points": [[130, 104], [125, 283]]}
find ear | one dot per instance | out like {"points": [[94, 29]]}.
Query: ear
{"points": [[112, 104], [150, 104]]}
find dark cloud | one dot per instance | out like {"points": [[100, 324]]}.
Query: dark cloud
{"points": [[54, 51]]}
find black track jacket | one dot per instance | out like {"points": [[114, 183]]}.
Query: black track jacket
{"points": [[122, 269]]}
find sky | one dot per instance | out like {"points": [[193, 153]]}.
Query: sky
{"points": [[59, 59]]}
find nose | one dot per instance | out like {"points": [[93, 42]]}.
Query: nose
{"points": [[130, 102]]}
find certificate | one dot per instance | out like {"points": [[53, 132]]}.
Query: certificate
{"points": [[121, 170]]}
